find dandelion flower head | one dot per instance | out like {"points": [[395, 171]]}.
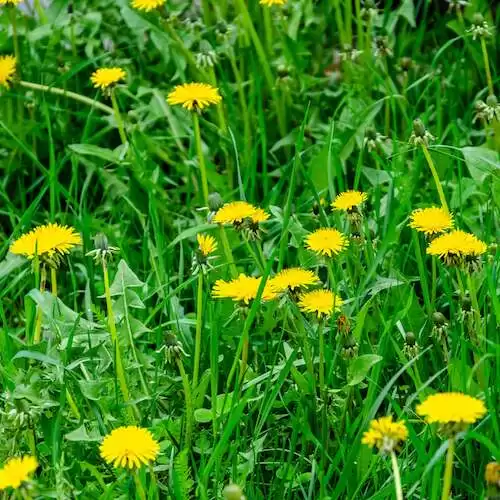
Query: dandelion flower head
{"points": [[7, 70], [16, 471], [492, 473], [293, 279], [326, 241], [451, 408], [103, 78], [385, 434], [349, 200], [270, 3], [147, 5], [194, 96], [236, 212], [455, 245], [129, 447], [431, 221], [206, 244], [10, 2], [320, 302], [46, 241], [242, 289]]}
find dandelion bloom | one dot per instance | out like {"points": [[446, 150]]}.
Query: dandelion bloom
{"points": [[320, 302], [451, 408], [492, 473], [7, 70], [194, 96], [326, 241], [206, 244], [10, 2], [103, 78], [385, 434], [349, 200], [16, 471], [431, 220], [236, 212], [46, 241], [269, 3], [293, 279], [147, 5], [455, 246], [242, 289], [129, 447]]}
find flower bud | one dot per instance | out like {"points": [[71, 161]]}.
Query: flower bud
{"points": [[438, 318], [233, 492], [214, 202]]}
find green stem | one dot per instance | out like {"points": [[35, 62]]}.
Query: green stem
{"points": [[138, 486], [244, 355], [199, 325], [53, 280], [397, 476], [72, 404], [475, 304], [359, 24], [264, 62], [201, 158], [118, 118], [436, 177], [38, 327], [323, 397], [188, 401], [67, 93], [487, 67], [268, 29], [339, 21], [228, 253], [448, 471], [15, 38], [120, 372], [40, 12]]}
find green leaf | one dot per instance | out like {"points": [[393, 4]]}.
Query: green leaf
{"points": [[124, 278], [11, 263], [38, 356], [481, 162], [81, 434], [91, 150], [360, 367], [203, 415]]}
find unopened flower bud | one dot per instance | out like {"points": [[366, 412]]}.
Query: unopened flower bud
{"points": [[410, 338], [478, 19], [233, 492], [215, 201], [419, 127], [438, 318]]}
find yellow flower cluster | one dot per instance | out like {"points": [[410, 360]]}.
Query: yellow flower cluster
{"points": [[147, 5], [129, 447], [385, 434], [194, 96], [16, 471], [322, 303], [7, 70], [104, 78], [242, 289], [431, 221], [206, 244], [292, 279], [326, 241], [349, 200], [270, 3], [455, 246], [236, 212]]}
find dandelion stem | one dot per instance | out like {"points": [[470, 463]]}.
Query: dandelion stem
{"points": [[322, 392], [448, 471], [40, 11], [201, 158], [53, 280], [397, 476], [188, 401], [67, 93], [139, 487], [199, 325], [228, 253], [436, 177], [72, 405], [15, 38], [268, 28], [487, 67], [244, 355], [475, 304], [339, 21], [120, 373], [118, 118], [38, 327]]}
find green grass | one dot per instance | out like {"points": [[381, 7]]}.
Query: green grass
{"points": [[288, 134]]}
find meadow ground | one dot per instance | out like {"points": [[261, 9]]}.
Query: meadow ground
{"points": [[249, 249]]}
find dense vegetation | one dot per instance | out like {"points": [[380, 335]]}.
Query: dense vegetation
{"points": [[128, 318]]}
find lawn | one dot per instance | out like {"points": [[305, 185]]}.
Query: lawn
{"points": [[249, 249]]}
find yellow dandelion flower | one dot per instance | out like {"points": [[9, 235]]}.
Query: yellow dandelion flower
{"points": [[10, 2], [206, 244], [16, 471], [129, 447], [7, 70], [234, 212], [103, 78], [147, 5], [194, 96], [320, 302], [492, 473], [451, 408], [326, 241], [456, 245], [349, 200], [270, 3], [431, 220], [385, 434], [48, 241], [293, 279], [242, 289], [259, 215]]}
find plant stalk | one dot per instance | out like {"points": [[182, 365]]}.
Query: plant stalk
{"points": [[38, 328], [199, 326], [188, 401], [228, 253], [201, 158], [448, 471], [118, 118], [435, 176], [487, 67], [397, 476]]}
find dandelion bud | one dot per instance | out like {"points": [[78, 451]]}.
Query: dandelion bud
{"points": [[215, 202], [420, 135], [173, 348], [438, 318], [492, 477], [406, 63], [102, 249], [350, 348], [478, 19], [419, 128], [233, 492], [411, 347], [440, 328]]}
